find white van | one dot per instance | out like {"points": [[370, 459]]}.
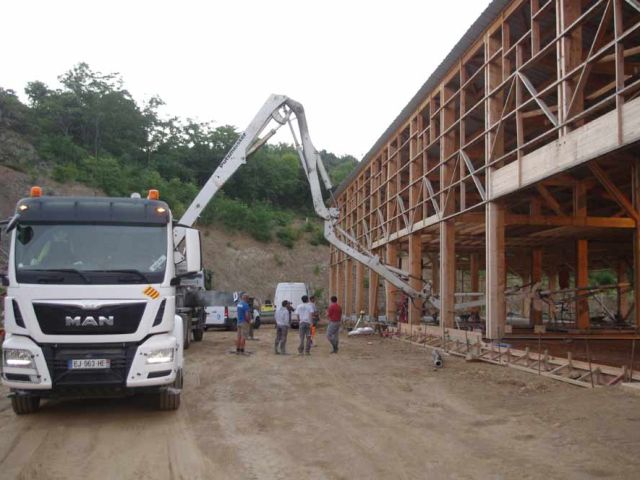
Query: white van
{"points": [[292, 291]]}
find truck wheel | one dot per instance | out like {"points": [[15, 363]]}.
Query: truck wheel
{"points": [[198, 334], [169, 399], [25, 404]]}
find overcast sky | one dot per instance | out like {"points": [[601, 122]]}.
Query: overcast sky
{"points": [[353, 64]]}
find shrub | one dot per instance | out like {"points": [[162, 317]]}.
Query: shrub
{"points": [[287, 236]]}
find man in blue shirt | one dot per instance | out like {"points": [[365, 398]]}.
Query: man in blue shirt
{"points": [[244, 318]]}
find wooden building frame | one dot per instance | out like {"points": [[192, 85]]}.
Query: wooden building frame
{"points": [[519, 152]]}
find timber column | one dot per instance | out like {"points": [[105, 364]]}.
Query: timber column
{"points": [[391, 291], [348, 294], [415, 276], [359, 288]]}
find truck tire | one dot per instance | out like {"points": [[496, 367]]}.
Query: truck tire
{"points": [[169, 399], [198, 334], [25, 404]]}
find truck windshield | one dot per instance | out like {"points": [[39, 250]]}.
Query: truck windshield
{"points": [[98, 254]]}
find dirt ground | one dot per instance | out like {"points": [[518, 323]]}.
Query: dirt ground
{"points": [[375, 410]]}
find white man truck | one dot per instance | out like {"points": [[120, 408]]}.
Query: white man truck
{"points": [[90, 308]]}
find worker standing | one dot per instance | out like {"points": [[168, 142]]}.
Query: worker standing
{"points": [[334, 313], [282, 317], [304, 312], [244, 318]]}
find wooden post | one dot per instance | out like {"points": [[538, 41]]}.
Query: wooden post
{"points": [[635, 186], [373, 295], [348, 294], [535, 314], [435, 274], [474, 272], [333, 271], [359, 288], [582, 280], [340, 282], [582, 258], [553, 286], [495, 271], [391, 291], [447, 273], [415, 275], [623, 298]]}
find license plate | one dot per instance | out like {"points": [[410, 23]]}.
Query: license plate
{"points": [[89, 363]]}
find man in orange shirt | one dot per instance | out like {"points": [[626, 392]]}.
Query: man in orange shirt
{"points": [[334, 314]]}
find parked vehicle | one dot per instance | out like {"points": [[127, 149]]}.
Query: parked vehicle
{"points": [[292, 291], [92, 299], [221, 310]]}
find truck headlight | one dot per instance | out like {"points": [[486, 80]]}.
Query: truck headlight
{"points": [[14, 357], [164, 355]]}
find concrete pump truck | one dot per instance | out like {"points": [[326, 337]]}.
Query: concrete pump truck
{"points": [[102, 292]]}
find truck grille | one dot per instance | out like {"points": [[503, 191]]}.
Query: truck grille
{"points": [[58, 356], [59, 319]]}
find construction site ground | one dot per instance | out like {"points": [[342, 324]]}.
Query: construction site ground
{"points": [[376, 410]]}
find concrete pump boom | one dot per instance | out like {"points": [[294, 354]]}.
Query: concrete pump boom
{"points": [[279, 110]]}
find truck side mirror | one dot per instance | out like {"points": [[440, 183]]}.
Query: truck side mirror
{"points": [[193, 250], [4, 279]]}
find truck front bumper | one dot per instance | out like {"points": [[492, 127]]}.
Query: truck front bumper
{"points": [[146, 366]]}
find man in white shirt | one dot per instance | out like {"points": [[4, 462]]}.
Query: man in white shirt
{"points": [[305, 313], [282, 316]]}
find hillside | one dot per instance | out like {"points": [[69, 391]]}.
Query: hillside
{"points": [[238, 262]]}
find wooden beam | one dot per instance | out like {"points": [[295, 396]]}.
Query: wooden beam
{"points": [[547, 220], [548, 198], [614, 191]]}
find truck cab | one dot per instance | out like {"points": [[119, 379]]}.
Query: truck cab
{"points": [[90, 308]]}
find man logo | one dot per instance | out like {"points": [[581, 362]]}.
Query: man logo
{"points": [[89, 321]]}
